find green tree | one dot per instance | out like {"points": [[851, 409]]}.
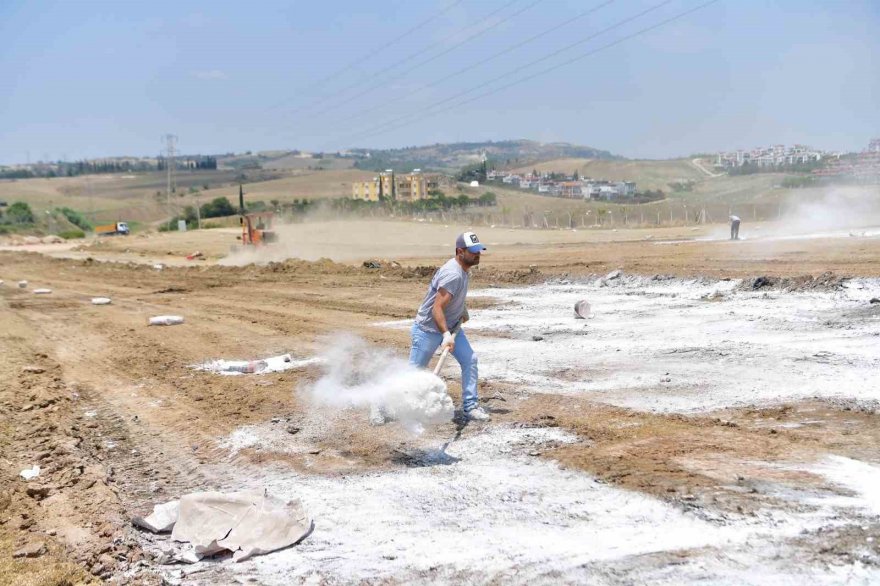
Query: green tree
{"points": [[20, 213], [189, 214], [217, 207]]}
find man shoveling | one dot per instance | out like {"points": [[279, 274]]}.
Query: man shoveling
{"points": [[440, 315], [734, 227]]}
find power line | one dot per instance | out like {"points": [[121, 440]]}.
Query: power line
{"points": [[421, 115], [550, 55], [505, 75], [433, 58], [378, 50], [488, 59]]}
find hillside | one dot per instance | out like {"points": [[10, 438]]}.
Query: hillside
{"points": [[451, 157], [301, 185], [647, 174], [112, 197], [140, 197]]}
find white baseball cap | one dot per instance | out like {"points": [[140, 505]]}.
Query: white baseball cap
{"points": [[470, 241]]}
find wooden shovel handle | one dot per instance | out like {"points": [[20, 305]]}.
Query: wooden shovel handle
{"points": [[445, 352]]}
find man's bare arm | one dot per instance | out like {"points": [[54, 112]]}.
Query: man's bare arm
{"points": [[440, 302]]}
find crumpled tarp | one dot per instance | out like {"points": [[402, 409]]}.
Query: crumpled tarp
{"points": [[246, 523], [162, 518]]}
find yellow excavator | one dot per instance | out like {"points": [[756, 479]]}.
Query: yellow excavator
{"points": [[256, 227]]}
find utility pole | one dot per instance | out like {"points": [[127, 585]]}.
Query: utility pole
{"points": [[91, 199], [170, 143]]}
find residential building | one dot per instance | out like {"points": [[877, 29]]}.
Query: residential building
{"points": [[625, 188], [603, 189], [570, 189], [863, 167], [771, 156], [366, 190], [409, 187]]}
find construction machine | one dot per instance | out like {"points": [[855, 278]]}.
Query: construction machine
{"points": [[256, 227]]}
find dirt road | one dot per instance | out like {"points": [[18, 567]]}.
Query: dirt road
{"points": [[117, 419]]}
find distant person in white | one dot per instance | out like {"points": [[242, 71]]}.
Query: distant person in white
{"points": [[734, 227]]}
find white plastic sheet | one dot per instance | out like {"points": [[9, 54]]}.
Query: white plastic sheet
{"points": [[166, 320]]}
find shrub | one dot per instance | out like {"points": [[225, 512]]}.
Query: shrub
{"points": [[20, 213], [70, 234], [75, 218], [799, 181]]}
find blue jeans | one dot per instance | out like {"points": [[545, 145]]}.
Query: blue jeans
{"points": [[424, 344]]}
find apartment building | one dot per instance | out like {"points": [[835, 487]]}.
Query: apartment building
{"points": [[772, 156], [408, 187]]}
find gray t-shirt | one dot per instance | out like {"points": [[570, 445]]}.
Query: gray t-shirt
{"points": [[454, 279]]}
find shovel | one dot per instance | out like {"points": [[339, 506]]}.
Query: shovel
{"points": [[445, 353]]}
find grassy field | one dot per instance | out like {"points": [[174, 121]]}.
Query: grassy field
{"points": [[140, 197], [291, 162], [304, 184], [107, 198]]}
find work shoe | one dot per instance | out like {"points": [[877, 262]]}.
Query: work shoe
{"points": [[377, 417], [477, 414]]}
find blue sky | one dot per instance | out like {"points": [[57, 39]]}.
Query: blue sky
{"points": [[88, 79]]}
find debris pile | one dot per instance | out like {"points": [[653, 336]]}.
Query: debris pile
{"points": [[827, 281]]}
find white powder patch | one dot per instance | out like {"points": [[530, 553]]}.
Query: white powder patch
{"points": [[359, 376], [861, 478], [681, 345], [261, 366], [482, 510], [263, 438]]}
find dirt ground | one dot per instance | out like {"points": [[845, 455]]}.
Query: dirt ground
{"points": [[117, 420]]}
